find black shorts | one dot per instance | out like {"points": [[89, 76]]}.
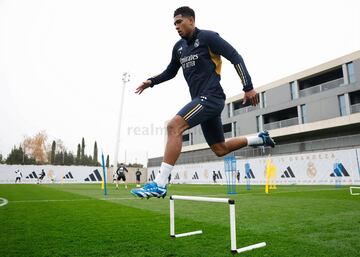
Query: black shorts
{"points": [[121, 177], [137, 178], [206, 110]]}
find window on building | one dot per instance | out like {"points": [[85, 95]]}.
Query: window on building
{"points": [[303, 113], [228, 110], [354, 98], [342, 105], [333, 76], [227, 128], [351, 72], [263, 99], [235, 129], [258, 127], [186, 138], [191, 137], [293, 90], [279, 119]]}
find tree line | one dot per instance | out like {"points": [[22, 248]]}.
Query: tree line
{"points": [[35, 150]]}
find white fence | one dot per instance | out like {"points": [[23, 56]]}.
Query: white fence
{"points": [[62, 174], [308, 168], [53, 174]]}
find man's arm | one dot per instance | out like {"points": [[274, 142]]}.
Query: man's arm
{"points": [[170, 71], [219, 46], [167, 74]]}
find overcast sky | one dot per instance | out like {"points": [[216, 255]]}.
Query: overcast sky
{"points": [[61, 62]]}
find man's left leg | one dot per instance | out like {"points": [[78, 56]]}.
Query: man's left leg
{"points": [[214, 135], [223, 148]]}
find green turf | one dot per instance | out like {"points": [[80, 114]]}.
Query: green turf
{"points": [[79, 221]]}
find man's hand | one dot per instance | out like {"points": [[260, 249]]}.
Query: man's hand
{"points": [[252, 97], [143, 86]]}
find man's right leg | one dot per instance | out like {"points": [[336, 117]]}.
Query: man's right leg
{"points": [[199, 110], [192, 114], [175, 129]]}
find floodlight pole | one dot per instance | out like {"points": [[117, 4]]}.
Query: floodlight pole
{"points": [[125, 79]]}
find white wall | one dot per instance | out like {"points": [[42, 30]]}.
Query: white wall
{"points": [[61, 174], [80, 174], [309, 168]]}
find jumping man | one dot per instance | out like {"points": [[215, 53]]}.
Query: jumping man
{"points": [[198, 54]]}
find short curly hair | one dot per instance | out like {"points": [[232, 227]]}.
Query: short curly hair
{"points": [[185, 11]]}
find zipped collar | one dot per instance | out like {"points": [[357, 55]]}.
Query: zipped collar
{"points": [[194, 35]]}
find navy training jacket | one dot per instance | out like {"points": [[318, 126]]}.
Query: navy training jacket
{"points": [[200, 60]]}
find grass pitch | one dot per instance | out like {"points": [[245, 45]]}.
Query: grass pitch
{"points": [[78, 220]]}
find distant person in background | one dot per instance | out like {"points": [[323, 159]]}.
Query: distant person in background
{"points": [[51, 176], [18, 176], [238, 176], [169, 179], [138, 175], [120, 172], [114, 177], [41, 176], [214, 176]]}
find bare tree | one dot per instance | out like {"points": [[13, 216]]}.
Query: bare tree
{"points": [[35, 147]]}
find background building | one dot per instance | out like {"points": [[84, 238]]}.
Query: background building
{"points": [[317, 109], [311, 112]]}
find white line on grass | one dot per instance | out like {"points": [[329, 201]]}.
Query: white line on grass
{"points": [[4, 202], [272, 192], [133, 198], [69, 200]]}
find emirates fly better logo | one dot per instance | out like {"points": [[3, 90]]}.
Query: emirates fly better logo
{"points": [[188, 61]]}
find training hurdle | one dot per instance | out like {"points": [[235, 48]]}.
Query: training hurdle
{"points": [[351, 192], [214, 200]]}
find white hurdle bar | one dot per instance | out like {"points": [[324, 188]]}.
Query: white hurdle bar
{"points": [[214, 200], [351, 192]]}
